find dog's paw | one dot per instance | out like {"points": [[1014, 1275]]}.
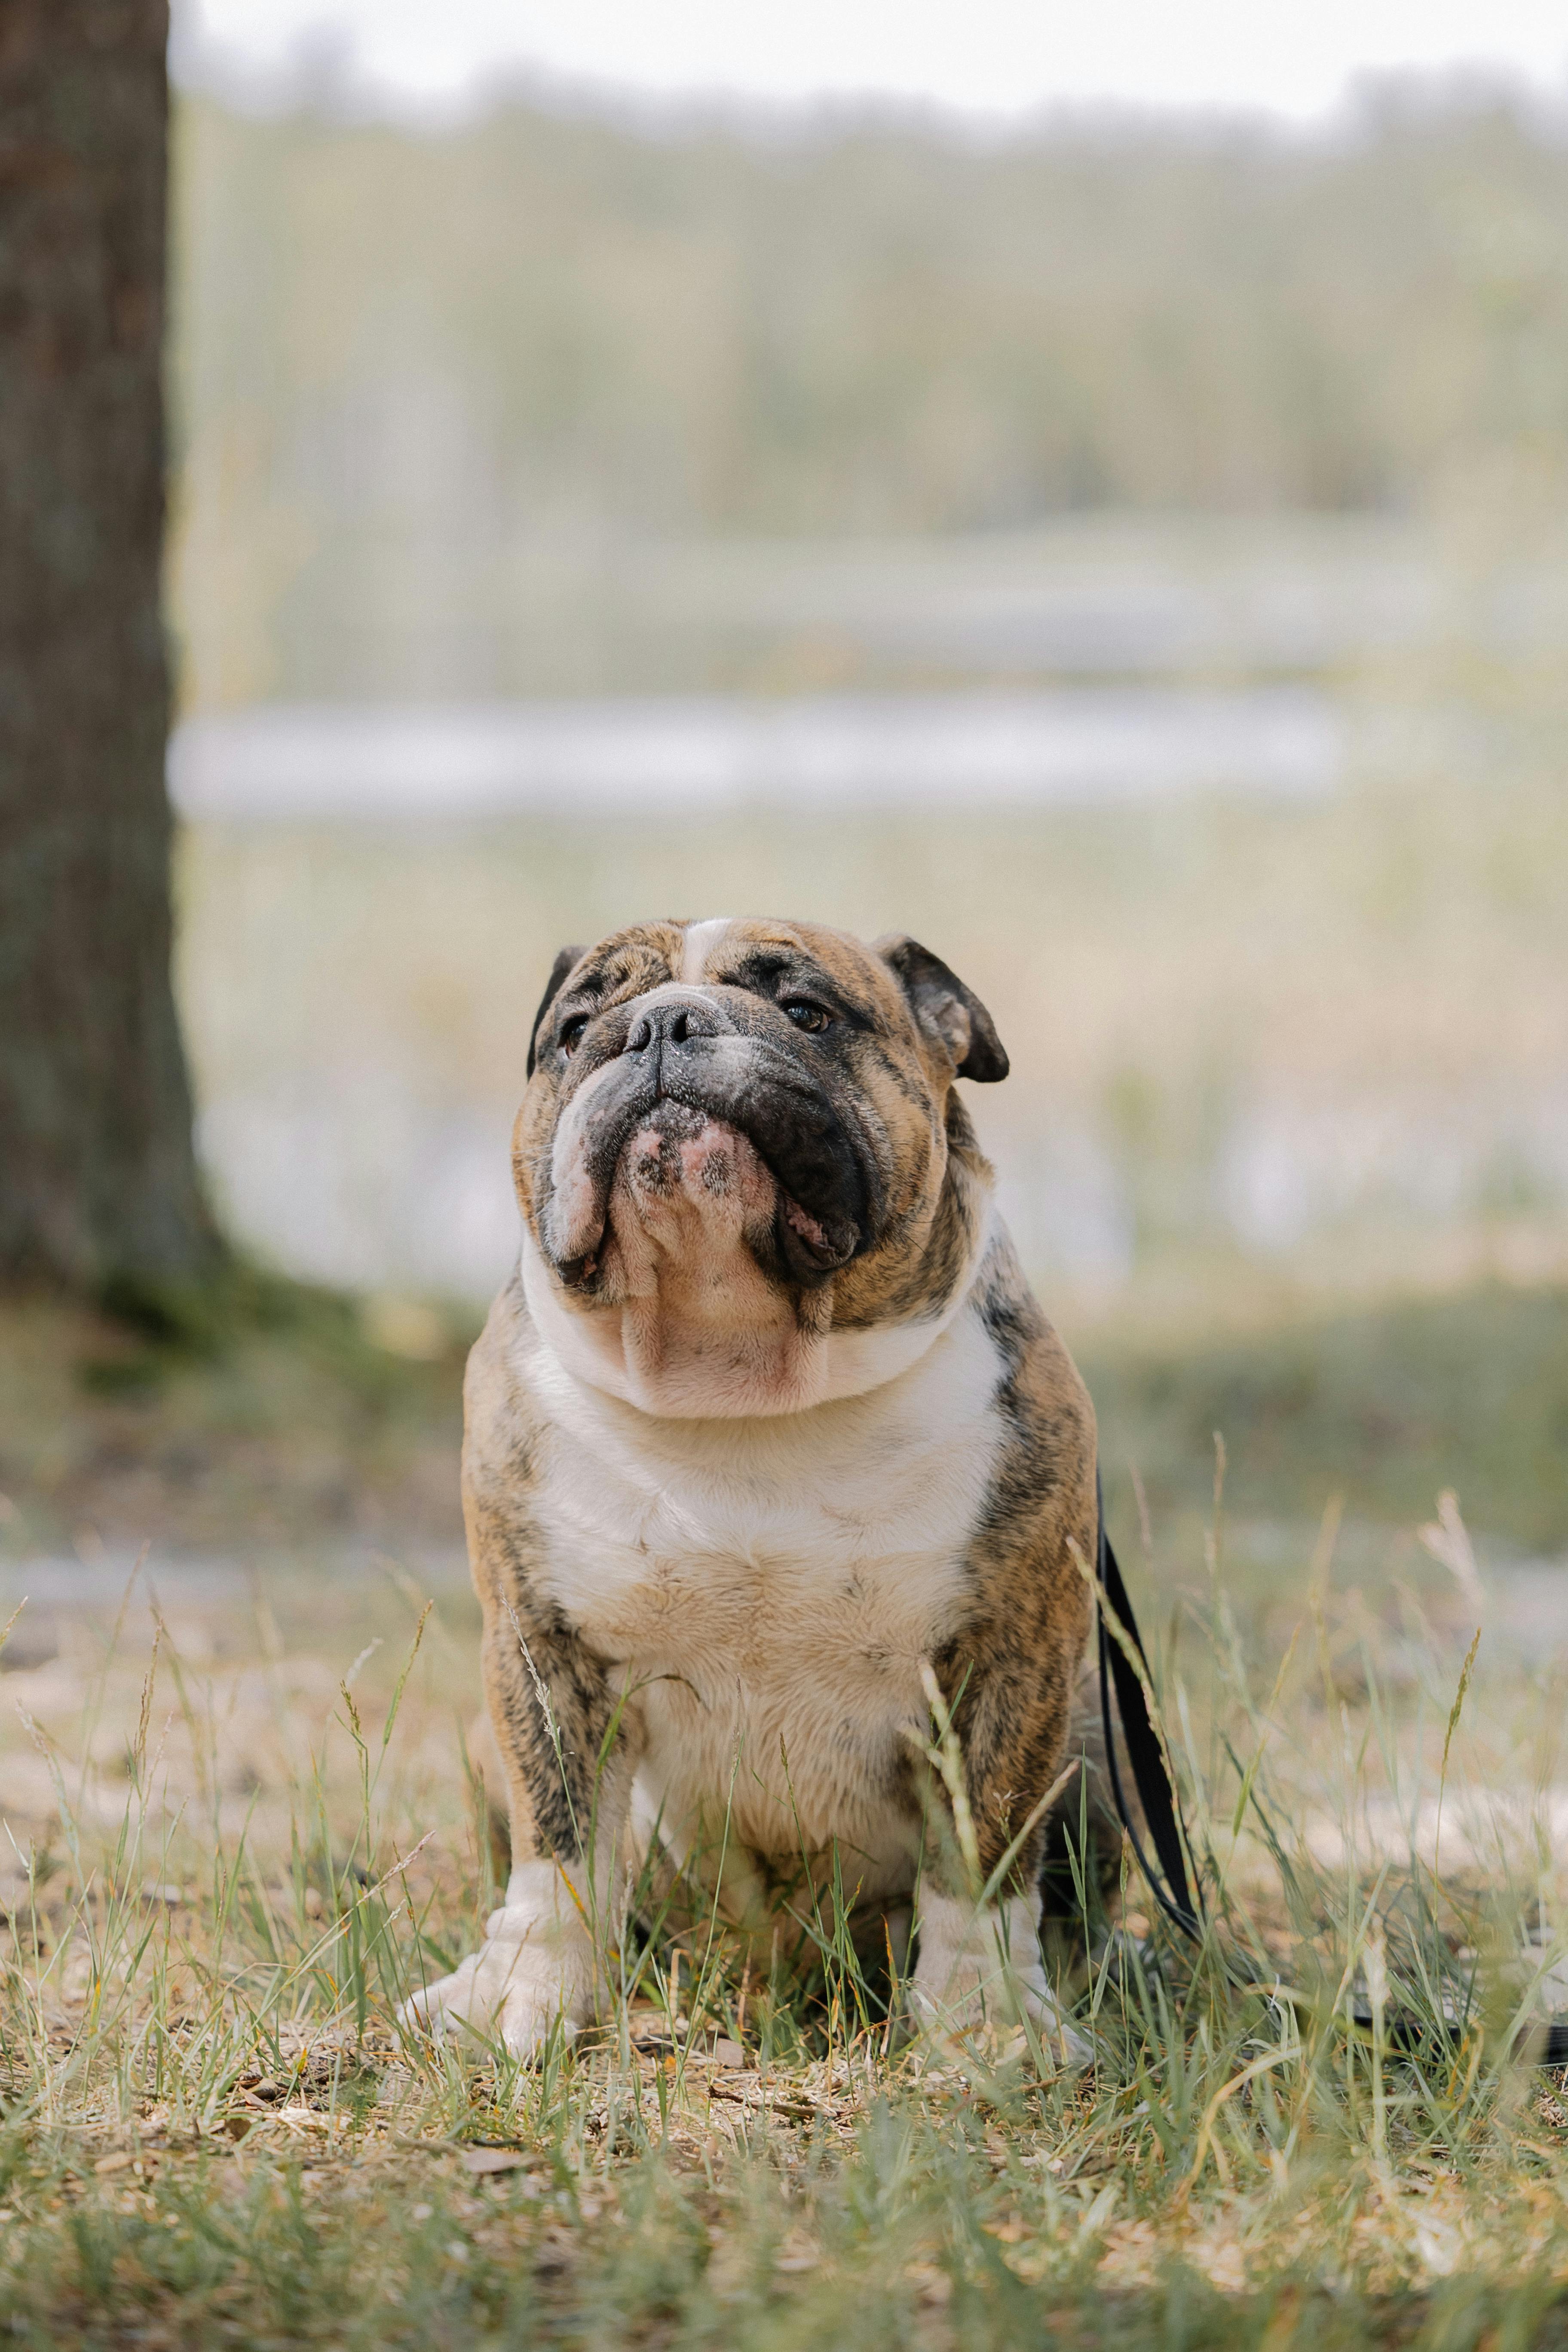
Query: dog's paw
{"points": [[981, 1974], [1012, 2013], [532, 1977]]}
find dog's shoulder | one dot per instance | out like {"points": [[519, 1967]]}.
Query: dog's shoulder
{"points": [[505, 1422], [1040, 1389], [1043, 1474]]}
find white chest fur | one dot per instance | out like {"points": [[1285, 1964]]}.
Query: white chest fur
{"points": [[771, 1586]]}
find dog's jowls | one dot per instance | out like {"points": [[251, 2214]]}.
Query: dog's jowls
{"points": [[765, 1431]]}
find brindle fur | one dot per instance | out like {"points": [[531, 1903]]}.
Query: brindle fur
{"points": [[1010, 1675], [898, 1054], [1011, 1668], [562, 1770]]}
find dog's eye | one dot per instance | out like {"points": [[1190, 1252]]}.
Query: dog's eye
{"points": [[803, 1012], [572, 1032]]}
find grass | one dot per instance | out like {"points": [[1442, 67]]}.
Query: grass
{"points": [[231, 1855], [1387, 1404], [273, 1417], [1321, 1036], [239, 1825]]}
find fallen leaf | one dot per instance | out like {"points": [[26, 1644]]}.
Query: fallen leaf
{"points": [[932, 2286]]}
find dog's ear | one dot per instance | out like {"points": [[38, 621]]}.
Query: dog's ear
{"points": [[949, 1012], [558, 971]]}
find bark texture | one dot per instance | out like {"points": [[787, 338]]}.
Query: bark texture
{"points": [[98, 1178]]}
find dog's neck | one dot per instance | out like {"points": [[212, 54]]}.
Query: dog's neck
{"points": [[706, 1337]]}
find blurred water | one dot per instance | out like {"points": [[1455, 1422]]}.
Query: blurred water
{"points": [[1058, 748]]}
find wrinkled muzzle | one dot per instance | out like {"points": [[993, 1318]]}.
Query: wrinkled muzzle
{"points": [[684, 1062]]}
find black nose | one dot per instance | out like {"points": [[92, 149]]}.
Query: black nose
{"points": [[672, 1024]]}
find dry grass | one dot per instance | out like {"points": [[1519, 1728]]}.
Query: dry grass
{"points": [[235, 1841]]}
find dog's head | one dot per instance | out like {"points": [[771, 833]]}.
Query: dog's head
{"points": [[739, 1140]]}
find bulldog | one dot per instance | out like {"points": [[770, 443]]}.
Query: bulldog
{"points": [[770, 1455]]}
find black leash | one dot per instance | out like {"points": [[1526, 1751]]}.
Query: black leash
{"points": [[1171, 1887], [1169, 1883]]}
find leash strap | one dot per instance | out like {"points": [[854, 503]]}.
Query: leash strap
{"points": [[1169, 1883]]}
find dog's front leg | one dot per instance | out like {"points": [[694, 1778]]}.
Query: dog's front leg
{"points": [[979, 1960], [1008, 1678], [979, 1967], [568, 1741]]}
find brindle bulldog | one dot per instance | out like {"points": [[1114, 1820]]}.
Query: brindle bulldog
{"points": [[766, 1432]]}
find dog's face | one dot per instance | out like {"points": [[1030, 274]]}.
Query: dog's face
{"points": [[737, 1146]]}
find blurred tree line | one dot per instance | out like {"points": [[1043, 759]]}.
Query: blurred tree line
{"points": [[540, 328]]}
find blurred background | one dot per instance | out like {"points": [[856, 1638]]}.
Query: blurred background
{"points": [[1093, 494], [1126, 546]]}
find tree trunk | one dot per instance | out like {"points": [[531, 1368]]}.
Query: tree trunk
{"points": [[98, 1178]]}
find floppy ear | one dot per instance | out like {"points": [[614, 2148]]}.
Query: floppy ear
{"points": [[948, 1012], [558, 971]]}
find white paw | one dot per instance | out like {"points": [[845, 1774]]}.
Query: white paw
{"points": [[981, 1972], [531, 1976]]}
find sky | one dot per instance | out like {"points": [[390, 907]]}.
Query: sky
{"points": [[1291, 58]]}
